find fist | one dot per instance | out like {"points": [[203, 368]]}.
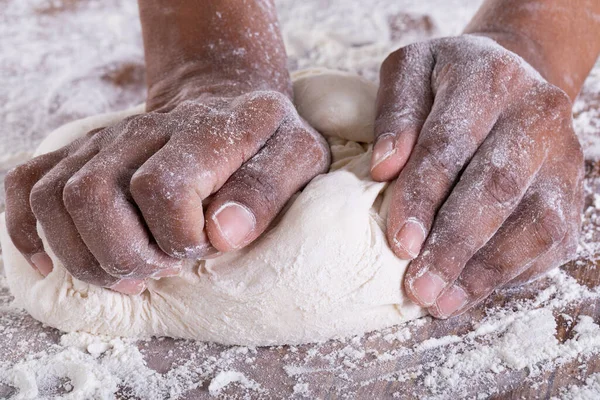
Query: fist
{"points": [[131, 201]]}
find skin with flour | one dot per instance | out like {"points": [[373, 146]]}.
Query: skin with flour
{"points": [[490, 134], [220, 130]]}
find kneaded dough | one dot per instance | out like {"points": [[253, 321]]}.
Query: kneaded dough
{"points": [[324, 270]]}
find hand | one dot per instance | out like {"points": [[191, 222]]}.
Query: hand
{"points": [[125, 202], [489, 171], [207, 168]]}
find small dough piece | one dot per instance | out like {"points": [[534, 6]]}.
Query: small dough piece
{"points": [[324, 270]]}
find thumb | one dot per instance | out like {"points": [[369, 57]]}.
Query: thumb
{"points": [[403, 103]]}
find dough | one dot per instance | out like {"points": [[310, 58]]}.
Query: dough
{"points": [[324, 270]]}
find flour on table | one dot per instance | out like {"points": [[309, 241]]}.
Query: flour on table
{"points": [[224, 378], [324, 270], [590, 390]]}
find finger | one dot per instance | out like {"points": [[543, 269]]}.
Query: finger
{"points": [[489, 190], [546, 262], [245, 206], [61, 234], [21, 223], [571, 164], [536, 227], [98, 201], [563, 252], [448, 140], [403, 102], [466, 107], [170, 187]]}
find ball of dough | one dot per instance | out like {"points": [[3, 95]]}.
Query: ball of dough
{"points": [[325, 270], [328, 101]]}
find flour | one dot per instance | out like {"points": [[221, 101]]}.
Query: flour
{"points": [[587, 115], [92, 375], [588, 391], [47, 82], [224, 378], [519, 336]]}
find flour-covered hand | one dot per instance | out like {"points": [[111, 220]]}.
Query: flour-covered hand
{"points": [[127, 201], [488, 171], [216, 156]]}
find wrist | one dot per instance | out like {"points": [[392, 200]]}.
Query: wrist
{"points": [[559, 38], [521, 45], [224, 47], [194, 80]]}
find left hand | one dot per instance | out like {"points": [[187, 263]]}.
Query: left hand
{"points": [[489, 170]]}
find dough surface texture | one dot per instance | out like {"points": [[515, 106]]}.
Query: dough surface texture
{"points": [[323, 270]]}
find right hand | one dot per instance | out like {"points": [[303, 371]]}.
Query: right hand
{"points": [[125, 203]]}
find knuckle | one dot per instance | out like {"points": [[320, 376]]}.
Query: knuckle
{"points": [[396, 58], [549, 229], [554, 103], [14, 175], [392, 61], [98, 138], [492, 271], [146, 183], [19, 176], [267, 192], [502, 186], [91, 134], [408, 51], [151, 186], [44, 195], [317, 150], [502, 72], [82, 189], [141, 124], [268, 100], [503, 64], [560, 101], [435, 154]]}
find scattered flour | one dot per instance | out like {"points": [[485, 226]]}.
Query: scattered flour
{"points": [[589, 391], [224, 378]]}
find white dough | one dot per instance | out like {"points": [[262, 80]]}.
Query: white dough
{"points": [[324, 270]]}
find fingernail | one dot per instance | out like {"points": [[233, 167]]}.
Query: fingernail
{"points": [[42, 262], [411, 237], [164, 273], [129, 286], [235, 222], [383, 149], [427, 287], [452, 300]]}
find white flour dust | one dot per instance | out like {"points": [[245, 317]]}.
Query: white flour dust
{"points": [[588, 391], [66, 59]]}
